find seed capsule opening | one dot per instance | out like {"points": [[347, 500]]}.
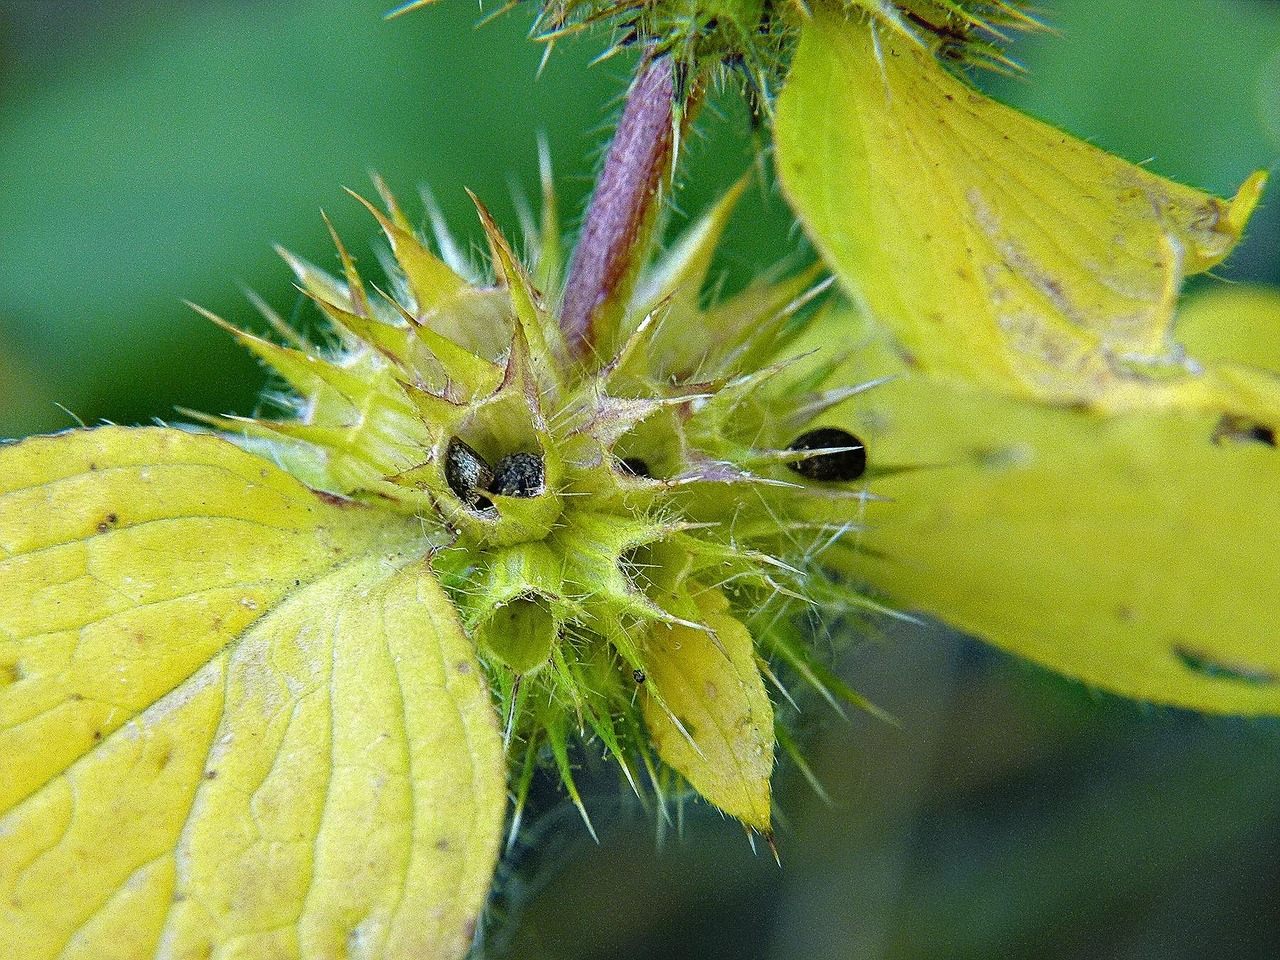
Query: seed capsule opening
{"points": [[635, 467], [845, 461], [521, 633]]}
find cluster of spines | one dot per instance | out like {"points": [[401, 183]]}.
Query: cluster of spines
{"points": [[751, 39], [969, 32], [754, 38], [377, 411]]}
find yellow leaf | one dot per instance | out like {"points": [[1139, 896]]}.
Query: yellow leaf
{"points": [[236, 717], [1237, 324], [709, 682], [997, 249], [1134, 552]]}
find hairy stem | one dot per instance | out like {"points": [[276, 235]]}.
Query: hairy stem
{"points": [[623, 208]]}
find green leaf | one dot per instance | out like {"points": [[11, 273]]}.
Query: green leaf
{"points": [[236, 716]]}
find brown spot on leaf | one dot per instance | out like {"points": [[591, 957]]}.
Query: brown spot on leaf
{"points": [[1217, 669], [107, 522], [462, 666], [1232, 428], [334, 500]]}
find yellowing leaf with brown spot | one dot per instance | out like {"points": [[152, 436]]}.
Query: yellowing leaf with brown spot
{"points": [[709, 682], [1135, 552], [997, 249], [237, 718]]}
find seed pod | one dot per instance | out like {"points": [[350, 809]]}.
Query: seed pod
{"points": [[847, 461], [468, 476], [518, 475]]}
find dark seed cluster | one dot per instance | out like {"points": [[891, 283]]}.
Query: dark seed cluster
{"points": [[470, 477], [518, 475], [467, 474]]}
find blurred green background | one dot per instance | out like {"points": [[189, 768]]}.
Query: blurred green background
{"points": [[152, 152]]}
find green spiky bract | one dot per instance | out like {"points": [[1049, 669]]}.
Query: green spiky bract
{"points": [[665, 491]]}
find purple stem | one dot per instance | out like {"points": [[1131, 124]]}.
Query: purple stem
{"points": [[630, 182]]}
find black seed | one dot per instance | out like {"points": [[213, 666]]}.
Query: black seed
{"points": [[467, 474], [518, 475], [635, 466], [838, 467], [638, 676]]}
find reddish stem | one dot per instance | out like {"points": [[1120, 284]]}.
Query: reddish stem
{"points": [[621, 204]]}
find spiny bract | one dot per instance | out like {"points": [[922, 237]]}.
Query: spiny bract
{"points": [[601, 523], [755, 38], [754, 34]]}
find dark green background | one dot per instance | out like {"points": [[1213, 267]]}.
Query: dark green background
{"points": [[151, 152]]}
